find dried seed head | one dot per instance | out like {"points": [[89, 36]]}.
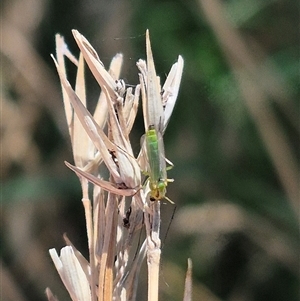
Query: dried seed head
{"points": [[158, 104]]}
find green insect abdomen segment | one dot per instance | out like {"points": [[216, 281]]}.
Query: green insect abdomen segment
{"points": [[156, 164], [153, 154]]}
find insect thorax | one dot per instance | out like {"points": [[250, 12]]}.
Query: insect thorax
{"points": [[158, 190]]}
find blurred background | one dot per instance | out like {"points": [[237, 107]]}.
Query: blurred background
{"points": [[233, 138]]}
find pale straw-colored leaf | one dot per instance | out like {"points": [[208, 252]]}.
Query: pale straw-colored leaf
{"points": [[131, 107], [107, 253], [127, 287], [101, 111], [91, 243], [91, 127], [88, 267], [188, 282], [158, 104], [61, 50], [119, 158], [128, 167], [83, 148], [170, 90], [154, 108], [71, 274], [132, 220], [104, 146], [81, 259], [99, 220], [128, 174], [50, 295], [96, 66], [108, 186]]}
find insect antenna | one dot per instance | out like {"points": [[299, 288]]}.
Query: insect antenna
{"points": [[169, 226]]}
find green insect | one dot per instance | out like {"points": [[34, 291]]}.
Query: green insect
{"points": [[157, 170]]}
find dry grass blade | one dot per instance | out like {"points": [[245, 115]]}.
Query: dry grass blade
{"points": [[108, 186], [83, 148], [128, 167], [103, 78], [81, 144], [153, 109], [61, 49], [101, 111], [106, 255], [131, 110], [72, 274], [127, 170], [50, 296], [188, 282], [170, 90], [158, 104]]}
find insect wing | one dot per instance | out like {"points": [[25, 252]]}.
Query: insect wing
{"points": [[162, 158]]}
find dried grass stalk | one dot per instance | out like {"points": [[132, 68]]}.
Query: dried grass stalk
{"points": [[119, 207]]}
